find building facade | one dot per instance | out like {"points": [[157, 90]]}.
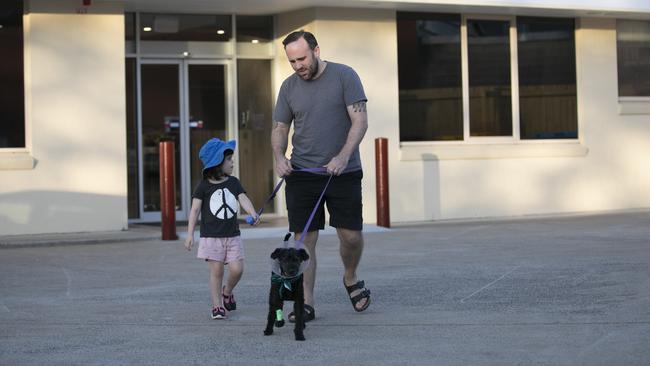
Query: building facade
{"points": [[491, 108]]}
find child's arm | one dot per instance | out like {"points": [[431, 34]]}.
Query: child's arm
{"points": [[248, 206], [191, 222]]}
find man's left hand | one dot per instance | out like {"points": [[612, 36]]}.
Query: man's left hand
{"points": [[337, 165]]}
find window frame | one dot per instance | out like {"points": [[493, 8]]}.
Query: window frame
{"points": [[629, 105], [482, 147], [514, 80]]}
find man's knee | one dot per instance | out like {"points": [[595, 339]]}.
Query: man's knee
{"points": [[350, 238]]}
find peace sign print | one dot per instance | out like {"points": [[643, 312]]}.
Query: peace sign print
{"points": [[223, 204]]}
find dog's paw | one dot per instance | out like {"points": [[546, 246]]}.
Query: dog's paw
{"points": [[279, 323], [300, 337], [268, 332]]}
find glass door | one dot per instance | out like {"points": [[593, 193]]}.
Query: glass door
{"points": [[208, 104], [186, 102], [254, 130], [160, 119]]}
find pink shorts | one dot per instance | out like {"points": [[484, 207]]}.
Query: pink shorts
{"points": [[221, 249]]}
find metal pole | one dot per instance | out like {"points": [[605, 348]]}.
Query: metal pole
{"points": [[167, 190], [381, 175]]}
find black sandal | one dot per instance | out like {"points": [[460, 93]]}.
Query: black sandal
{"points": [[308, 314], [364, 294]]}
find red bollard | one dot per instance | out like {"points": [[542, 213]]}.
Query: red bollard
{"points": [[381, 176], [167, 190]]}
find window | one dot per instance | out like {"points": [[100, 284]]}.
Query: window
{"points": [[447, 96], [633, 52], [430, 77], [185, 27], [132, 137], [12, 95], [256, 29], [547, 78], [488, 47], [129, 33]]}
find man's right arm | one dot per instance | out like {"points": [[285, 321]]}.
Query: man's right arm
{"points": [[279, 143]]}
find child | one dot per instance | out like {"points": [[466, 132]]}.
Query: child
{"points": [[217, 198]]}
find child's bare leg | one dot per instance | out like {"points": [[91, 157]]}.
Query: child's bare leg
{"points": [[235, 271], [216, 278]]}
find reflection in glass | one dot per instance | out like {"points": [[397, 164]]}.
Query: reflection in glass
{"points": [[490, 105], [185, 27], [208, 113], [160, 121], [547, 78], [633, 50], [429, 66], [255, 124]]}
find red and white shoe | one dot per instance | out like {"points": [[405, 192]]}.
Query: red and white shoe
{"points": [[218, 313]]}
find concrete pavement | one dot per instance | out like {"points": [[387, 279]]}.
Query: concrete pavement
{"points": [[571, 290]]}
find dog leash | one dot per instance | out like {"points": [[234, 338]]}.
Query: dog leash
{"points": [[313, 212]]}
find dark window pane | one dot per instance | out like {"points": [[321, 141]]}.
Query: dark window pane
{"points": [[547, 78], [208, 111], [251, 28], [429, 66], [132, 139], [12, 94], [633, 49], [160, 121], [490, 105], [129, 32], [183, 27]]}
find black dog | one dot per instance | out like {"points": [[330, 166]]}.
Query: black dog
{"points": [[287, 286]]}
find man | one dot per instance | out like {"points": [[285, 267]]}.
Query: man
{"points": [[327, 105]]}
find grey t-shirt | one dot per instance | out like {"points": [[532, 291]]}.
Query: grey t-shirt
{"points": [[318, 110]]}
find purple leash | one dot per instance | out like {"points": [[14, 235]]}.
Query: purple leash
{"points": [[249, 219]]}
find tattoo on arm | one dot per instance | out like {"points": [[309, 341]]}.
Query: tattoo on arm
{"points": [[359, 106]]}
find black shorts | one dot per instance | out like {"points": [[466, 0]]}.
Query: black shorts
{"points": [[343, 199]]}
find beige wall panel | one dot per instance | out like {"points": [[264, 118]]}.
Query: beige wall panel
{"points": [[284, 24], [366, 40], [76, 111]]}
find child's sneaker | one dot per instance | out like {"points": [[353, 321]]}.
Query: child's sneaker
{"points": [[218, 313], [229, 301]]}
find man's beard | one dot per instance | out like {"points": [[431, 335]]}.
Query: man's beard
{"points": [[313, 70]]}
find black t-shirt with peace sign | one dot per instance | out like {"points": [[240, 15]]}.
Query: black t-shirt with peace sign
{"points": [[219, 207]]}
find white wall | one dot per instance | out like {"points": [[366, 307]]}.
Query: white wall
{"points": [[609, 172], [75, 113]]}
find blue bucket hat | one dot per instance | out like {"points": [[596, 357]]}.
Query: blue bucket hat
{"points": [[211, 153]]}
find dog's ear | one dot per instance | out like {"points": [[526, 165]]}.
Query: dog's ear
{"points": [[276, 253], [302, 254]]}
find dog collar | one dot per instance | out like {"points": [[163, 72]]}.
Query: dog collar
{"points": [[284, 282]]}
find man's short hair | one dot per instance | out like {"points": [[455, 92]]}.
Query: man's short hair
{"points": [[307, 36]]}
